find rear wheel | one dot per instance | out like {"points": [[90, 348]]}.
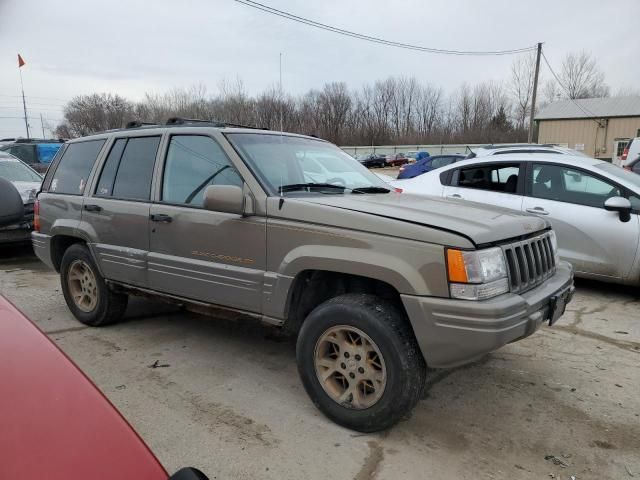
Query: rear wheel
{"points": [[360, 363], [85, 291]]}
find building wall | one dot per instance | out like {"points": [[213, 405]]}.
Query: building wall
{"points": [[597, 141]]}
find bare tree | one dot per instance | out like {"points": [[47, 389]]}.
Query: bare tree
{"points": [[521, 88], [582, 77], [88, 114], [551, 92], [393, 110]]}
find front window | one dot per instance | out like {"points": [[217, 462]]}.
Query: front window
{"points": [[566, 184], [14, 171], [296, 164], [193, 163]]}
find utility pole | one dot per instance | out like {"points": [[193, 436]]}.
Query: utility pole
{"points": [[281, 96], [42, 125], [24, 103], [533, 95]]}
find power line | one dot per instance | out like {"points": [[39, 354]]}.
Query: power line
{"points": [[390, 43], [590, 115], [34, 96]]}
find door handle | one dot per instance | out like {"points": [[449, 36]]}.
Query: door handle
{"points": [[160, 217], [92, 208], [454, 195], [538, 211]]}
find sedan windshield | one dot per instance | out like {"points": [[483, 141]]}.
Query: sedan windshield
{"points": [[288, 164], [16, 171]]}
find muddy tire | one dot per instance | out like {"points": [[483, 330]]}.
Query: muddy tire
{"points": [[360, 363], [85, 291]]}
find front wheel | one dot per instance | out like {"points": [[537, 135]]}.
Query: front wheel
{"points": [[359, 362], [85, 291]]}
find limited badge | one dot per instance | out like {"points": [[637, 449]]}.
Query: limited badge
{"points": [[54, 184]]}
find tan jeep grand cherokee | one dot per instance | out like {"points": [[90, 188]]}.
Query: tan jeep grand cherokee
{"points": [[289, 229]]}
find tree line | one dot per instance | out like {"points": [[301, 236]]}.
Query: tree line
{"points": [[396, 110]]}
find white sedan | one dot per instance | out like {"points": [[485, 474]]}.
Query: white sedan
{"points": [[592, 204]]}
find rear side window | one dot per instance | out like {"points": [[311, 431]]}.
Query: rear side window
{"points": [[108, 175], [497, 178], [128, 170], [75, 166], [26, 153]]}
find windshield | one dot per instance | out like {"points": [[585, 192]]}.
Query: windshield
{"points": [[16, 171], [282, 160], [620, 173]]}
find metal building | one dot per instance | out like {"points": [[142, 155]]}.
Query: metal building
{"points": [[599, 127]]}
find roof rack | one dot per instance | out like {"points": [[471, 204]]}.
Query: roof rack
{"points": [[37, 140], [138, 124], [215, 123]]}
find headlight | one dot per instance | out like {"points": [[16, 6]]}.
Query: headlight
{"points": [[554, 245], [478, 274]]}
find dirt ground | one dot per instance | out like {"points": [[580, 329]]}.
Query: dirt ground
{"points": [[563, 403]]}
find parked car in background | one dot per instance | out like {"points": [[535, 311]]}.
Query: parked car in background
{"points": [[593, 205], [633, 165], [427, 164], [411, 155], [27, 181], [373, 160], [502, 149], [631, 153], [395, 160], [37, 153], [225, 219]]}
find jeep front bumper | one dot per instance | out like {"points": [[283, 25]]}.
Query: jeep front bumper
{"points": [[453, 332]]}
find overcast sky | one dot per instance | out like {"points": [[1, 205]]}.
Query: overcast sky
{"points": [[74, 47]]}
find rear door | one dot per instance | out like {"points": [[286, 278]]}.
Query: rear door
{"points": [[592, 239], [204, 255], [498, 183], [116, 215]]}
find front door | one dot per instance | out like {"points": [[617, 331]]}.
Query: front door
{"points": [[490, 183], [591, 238], [214, 257]]}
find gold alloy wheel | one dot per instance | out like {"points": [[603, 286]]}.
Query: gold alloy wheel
{"points": [[350, 367], [82, 286]]}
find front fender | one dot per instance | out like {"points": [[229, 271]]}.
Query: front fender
{"points": [[395, 271]]}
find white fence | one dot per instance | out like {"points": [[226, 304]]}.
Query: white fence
{"points": [[462, 149]]}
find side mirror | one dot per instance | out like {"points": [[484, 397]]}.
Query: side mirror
{"points": [[11, 205], [621, 205], [224, 198]]}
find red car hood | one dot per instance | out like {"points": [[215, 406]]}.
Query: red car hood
{"points": [[54, 423]]}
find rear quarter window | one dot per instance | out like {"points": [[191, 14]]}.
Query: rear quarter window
{"points": [[73, 169]]}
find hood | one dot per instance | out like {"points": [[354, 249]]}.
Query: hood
{"points": [[27, 190], [478, 222]]}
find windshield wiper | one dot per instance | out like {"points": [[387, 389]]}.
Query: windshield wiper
{"points": [[370, 190], [294, 187]]}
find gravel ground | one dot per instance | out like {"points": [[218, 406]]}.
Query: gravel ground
{"points": [[564, 402]]}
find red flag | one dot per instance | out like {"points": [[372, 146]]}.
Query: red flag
{"points": [[21, 62]]}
